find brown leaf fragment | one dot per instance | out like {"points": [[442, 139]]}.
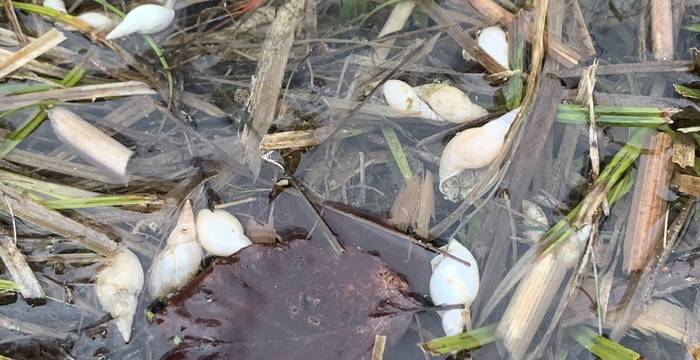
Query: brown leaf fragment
{"points": [[414, 205], [683, 150], [296, 301]]}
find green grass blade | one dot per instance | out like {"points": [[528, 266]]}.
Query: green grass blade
{"points": [[101, 201], [8, 285], [464, 341], [687, 91], [600, 346], [397, 152], [54, 14]]}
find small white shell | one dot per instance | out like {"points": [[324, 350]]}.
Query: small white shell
{"points": [[493, 41], [220, 233], [535, 220], [179, 260], [143, 19], [449, 103], [454, 283], [475, 148], [57, 5], [98, 21], [403, 98], [118, 285]]}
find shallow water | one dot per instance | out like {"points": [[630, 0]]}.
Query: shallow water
{"points": [[198, 137]]}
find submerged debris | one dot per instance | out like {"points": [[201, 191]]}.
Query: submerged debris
{"points": [[293, 299]]}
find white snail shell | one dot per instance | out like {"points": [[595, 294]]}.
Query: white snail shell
{"points": [[493, 41], [57, 5], [454, 283], [144, 19], [449, 102], [118, 285], [475, 148], [220, 233], [403, 98], [179, 260]]}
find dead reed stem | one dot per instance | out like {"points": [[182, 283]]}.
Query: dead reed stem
{"points": [[20, 271], [86, 92], [13, 202], [30, 52], [268, 79], [662, 29], [645, 219]]}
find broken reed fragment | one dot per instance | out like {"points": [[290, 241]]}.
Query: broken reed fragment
{"points": [[21, 273], [645, 221], [602, 347], [90, 143], [30, 52]]}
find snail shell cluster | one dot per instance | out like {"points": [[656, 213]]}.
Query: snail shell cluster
{"points": [[143, 19], [436, 102], [454, 283], [217, 232]]}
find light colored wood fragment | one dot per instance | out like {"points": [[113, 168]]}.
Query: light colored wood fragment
{"points": [[687, 184], [645, 221], [86, 92], [288, 140], [268, 79], [662, 29], [379, 346], [30, 52], [683, 150], [21, 273], [38, 67], [666, 319]]}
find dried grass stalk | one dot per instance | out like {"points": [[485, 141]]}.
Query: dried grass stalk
{"points": [[288, 140], [30, 52], [645, 219], [53, 221], [662, 29], [536, 292], [86, 92], [19, 270], [35, 66], [379, 346], [268, 78], [666, 319]]}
